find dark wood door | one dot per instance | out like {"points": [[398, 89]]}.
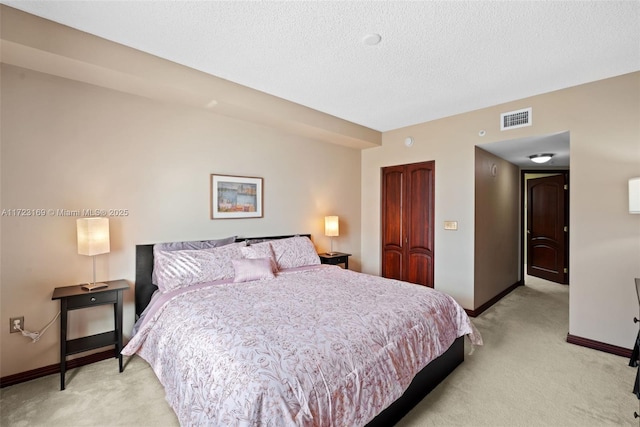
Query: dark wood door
{"points": [[392, 218], [547, 232], [407, 222]]}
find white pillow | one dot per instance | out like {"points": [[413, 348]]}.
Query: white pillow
{"points": [[260, 250], [177, 269], [293, 252], [195, 245]]}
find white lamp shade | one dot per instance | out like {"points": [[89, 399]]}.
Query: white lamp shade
{"points": [[634, 195], [93, 236], [331, 227]]}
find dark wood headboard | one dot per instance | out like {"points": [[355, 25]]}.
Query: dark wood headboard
{"points": [[145, 288]]}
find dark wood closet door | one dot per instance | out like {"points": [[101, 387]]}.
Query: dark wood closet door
{"points": [[392, 220], [407, 222], [419, 224]]}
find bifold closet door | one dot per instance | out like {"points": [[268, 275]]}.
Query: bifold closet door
{"points": [[407, 222]]}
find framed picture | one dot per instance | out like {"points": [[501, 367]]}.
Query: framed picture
{"points": [[235, 197]]}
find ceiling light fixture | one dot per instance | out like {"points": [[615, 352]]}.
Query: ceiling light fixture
{"points": [[541, 158], [372, 39]]}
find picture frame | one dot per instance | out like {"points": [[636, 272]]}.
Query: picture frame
{"points": [[234, 197]]}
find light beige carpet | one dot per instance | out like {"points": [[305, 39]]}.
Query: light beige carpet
{"points": [[525, 375]]}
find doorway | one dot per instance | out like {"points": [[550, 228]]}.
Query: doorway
{"points": [[517, 152]]}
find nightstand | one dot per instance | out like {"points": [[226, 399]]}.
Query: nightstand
{"points": [[74, 298], [335, 258]]}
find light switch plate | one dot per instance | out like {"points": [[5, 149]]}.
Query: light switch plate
{"points": [[451, 225]]}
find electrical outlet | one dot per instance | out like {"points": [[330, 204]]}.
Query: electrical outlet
{"points": [[16, 321]]}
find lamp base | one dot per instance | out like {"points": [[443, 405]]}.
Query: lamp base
{"points": [[94, 286], [332, 253]]}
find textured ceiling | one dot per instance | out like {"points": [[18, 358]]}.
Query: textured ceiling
{"points": [[517, 151], [435, 59]]}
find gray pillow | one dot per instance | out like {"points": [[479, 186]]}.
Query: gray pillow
{"points": [[194, 244]]}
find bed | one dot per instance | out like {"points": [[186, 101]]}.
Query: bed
{"points": [[266, 335]]}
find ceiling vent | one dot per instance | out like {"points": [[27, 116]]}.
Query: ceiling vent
{"points": [[515, 119]]}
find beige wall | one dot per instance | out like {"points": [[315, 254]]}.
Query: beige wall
{"points": [[603, 118], [71, 145], [497, 226]]}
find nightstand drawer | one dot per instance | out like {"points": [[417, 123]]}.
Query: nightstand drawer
{"points": [[337, 260], [91, 299]]}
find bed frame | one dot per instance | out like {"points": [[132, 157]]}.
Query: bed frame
{"points": [[425, 381]]}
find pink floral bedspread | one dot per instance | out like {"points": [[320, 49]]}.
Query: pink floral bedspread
{"points": [[319, 346]]}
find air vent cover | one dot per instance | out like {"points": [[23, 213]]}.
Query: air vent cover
{"points": [[515, 119]]}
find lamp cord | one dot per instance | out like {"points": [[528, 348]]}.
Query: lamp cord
{"points": [[35, 336], [94, 269]]}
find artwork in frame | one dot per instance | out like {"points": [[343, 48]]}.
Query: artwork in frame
{"points": [[235, 197]]}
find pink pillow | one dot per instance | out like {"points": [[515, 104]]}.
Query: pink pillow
{"points": [[248, 269]]}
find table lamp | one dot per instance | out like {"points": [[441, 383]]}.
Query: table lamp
{"points": [[331, 229], [93, 239]]}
